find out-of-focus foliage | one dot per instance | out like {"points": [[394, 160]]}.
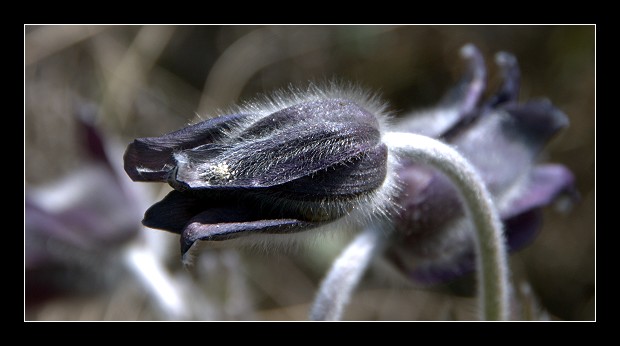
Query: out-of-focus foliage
{"points": [[150, 80]]}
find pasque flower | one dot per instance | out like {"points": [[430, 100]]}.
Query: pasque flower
{"points": [[312, 158], [502, 139], [272, 167]]}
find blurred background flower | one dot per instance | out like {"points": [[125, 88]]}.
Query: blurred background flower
{"points": [[149, 80], [502, 139]]}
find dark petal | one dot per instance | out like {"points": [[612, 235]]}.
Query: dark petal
{"points": [[546, 183], [150, 159], [262, 159], [465, 95], [433, 268], [433, 240], [359, 175], [217, 216], [177, 210], [429, 204], [537, 120], [521, 229], [430, 271], [328, 194], [502, 145], [225, 224], [429, 249], [456, 105], [310, 114], [174, 211], [509, 90]]}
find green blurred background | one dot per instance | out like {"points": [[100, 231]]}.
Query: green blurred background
{"points": [[149, 80]]}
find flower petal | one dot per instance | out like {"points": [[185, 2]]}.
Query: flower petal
{"points": [[225, 224], [537, 121], [456, 105], [521, 229], [429, 270], [150, 158], [517, 132], [457, 257], [287, 145], [509, 90], [179, 209], [358, 175], [174, 211], [546, 183], [429, 204]]}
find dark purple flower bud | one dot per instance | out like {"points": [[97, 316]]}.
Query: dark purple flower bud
{"points": [[502, 139], [278, 168]]}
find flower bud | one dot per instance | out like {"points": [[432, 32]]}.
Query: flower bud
{"points": [[278, 167]]}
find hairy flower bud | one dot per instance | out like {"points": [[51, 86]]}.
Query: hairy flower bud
{"points": [[276, 167]]}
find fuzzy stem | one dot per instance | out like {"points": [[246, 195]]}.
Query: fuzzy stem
{"points": [[490, 244], [344, 275]]}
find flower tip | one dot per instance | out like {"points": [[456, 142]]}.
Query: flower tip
{"points": [[567, 195], [505, 59], [144, 162], [539, 118], [472, 54], [469, 50]]}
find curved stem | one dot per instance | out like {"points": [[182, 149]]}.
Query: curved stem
{"points": [[490, 244], [344, 275]]}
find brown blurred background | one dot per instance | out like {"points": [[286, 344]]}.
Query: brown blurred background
{"points": [[149, 80]]}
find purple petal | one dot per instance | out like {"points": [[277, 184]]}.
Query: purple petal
{"points": [[225, 224], [517, 132], [176, 209], [150, 159], [429, 270], [219, 217], [434, 241], [430, 273], [458, 259], [537, 121], [522, 229], [456, 105], [465, 95], [546, 183], [353, 177], [318, 113], [429, 204], [509, 90], [431, 249], [287, 145]]}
